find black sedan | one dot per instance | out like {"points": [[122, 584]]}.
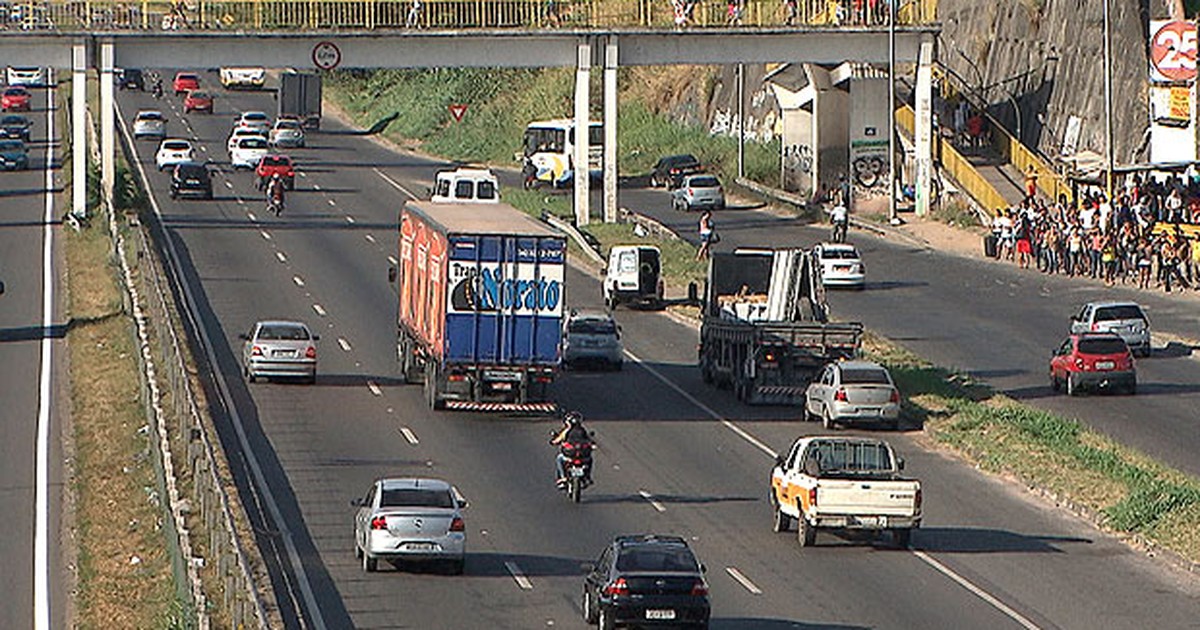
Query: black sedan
{"points": [[191, 179], [669, 171], [15, 126], [646, 580]]}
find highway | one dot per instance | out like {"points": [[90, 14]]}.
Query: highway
{"points": [[675, 456], [28, 407]]}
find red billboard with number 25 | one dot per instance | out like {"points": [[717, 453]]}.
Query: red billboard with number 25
{"points": [[1172, 51]]}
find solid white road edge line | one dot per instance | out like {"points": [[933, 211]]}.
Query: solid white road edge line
{"points": [[41, 528], [649, 497], [409, 435], [395, 184], [743, 580], [515, 571], [742, 433], [260, 479]]}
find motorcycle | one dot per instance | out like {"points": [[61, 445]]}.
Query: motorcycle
{"points": [[577, 468], [157, 90], [274, 204], [839, 232]]}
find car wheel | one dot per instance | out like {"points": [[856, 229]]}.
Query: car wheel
{"points": [[250, 377], [589, 608], [901, 538], [369, 564], [827, 421], [357, 551], [1072, 388], [1054, 384], [806, 534], [456, 567], [605, 620], [781, 522], [1131, 389]]}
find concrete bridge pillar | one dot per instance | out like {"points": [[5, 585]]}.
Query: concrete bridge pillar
{"points": [[107, 128], [583, 72], [79, 65], [610, 130]]}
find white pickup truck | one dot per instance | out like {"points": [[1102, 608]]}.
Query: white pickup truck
{"points": [[834, 482], [247, 78]]}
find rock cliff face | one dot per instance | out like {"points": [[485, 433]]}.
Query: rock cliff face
{"points": [[1047, 56]]}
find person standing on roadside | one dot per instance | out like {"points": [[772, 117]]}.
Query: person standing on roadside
{"points": [[1021, 233], [1145, 260], [708, 235]]}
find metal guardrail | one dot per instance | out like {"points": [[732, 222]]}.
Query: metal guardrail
{"points": [[324, 15]]}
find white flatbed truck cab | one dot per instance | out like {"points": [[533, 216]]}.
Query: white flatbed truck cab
{"points": [[843, 483]]}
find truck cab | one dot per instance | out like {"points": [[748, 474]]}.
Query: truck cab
{"points": [[633, 275], [843, 483], [465, 185]]}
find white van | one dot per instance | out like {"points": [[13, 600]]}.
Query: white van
{"points": [[465, 185], [633, 276]]}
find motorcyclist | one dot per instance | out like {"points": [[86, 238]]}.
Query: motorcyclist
{"points": [[275, 194], [839, 217], [574, 437], [157, 89]]}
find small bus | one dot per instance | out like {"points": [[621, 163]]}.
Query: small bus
{"points": [[549, 148]]}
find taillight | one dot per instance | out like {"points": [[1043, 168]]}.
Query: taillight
{"points": [[1079, 363], [619, 587], [456, 378], [379, 522], [812, 497], [458, 525], [895, 395], [769, 357], [578, 462], [690, 192], [256, 351], [544, 379], [840, 396], [1095, 326], [311, 353], [699, 588]]}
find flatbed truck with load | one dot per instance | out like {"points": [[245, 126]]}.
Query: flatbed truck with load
{"points": [[765, 329], [479, 318]]}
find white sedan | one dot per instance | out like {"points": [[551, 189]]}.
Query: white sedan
{"points": [[255, 120], [853, 391], [841, 265], [239, 133], [248, 152], [174, 151]]}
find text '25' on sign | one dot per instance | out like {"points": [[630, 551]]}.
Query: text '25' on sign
{"points": [[1172, 51]]}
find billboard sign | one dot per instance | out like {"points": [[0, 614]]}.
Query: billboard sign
{"points": [[1172, 51]]}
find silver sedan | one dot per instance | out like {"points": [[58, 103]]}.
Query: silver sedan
{"points": [[592, 337], [150, 124], [853, 391], [286, 133], [279, 348], [410, 519]]}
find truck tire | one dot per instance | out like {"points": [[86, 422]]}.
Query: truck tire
{"points": [[806, 534], [901, 538], [432, 395], [782, 522]]}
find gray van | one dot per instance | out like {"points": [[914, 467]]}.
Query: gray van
{"points": [[1126, 319]]}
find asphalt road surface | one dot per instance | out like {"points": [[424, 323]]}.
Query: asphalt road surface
{"points": [[23, 198], [674, 455]]}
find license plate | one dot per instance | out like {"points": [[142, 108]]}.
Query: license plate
{"points": [[1105, 365], [192, 182], [653, 613], [868, 521], [420, 546], [283, 353], [576, 471], [504, 387], [494, 375], [868, 409]]}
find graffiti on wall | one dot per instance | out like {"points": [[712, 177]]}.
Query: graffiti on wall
{"points": [[798, 158], [869, 163]]}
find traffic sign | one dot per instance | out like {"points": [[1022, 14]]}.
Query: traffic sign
{"points": [[1173, 51], [457, 110], [326, 56]]}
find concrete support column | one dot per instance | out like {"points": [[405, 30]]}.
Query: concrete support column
{"points": [[583, 73], [741, 120], [107, 127], [923, 127], [79, 129], [610, 130]]}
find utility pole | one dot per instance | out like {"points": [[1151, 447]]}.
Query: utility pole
{"points": [[893, 217], [1108, 103]]}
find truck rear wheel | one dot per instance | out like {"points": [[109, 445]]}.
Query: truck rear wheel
{"points": [[432, 395], [901, 538], [806, 534], [782, 522]]}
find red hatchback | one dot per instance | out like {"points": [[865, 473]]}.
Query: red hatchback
{"points": [[186, 82], [276, 164], [1095, 361], [15, 99], [197, 101]]}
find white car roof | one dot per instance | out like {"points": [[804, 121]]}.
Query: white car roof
{"points": [[859, 365], [414, 482]]}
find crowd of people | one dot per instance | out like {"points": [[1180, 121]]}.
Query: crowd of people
{"points": [[1137, 238]]}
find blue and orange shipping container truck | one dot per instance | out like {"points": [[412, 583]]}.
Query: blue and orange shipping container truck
{"points": [[481, 297]]}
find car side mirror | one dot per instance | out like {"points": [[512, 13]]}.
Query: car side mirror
{"points": [[316, 337], [356, 502], [462, 505], [244, 336], [779, 461], [703, 568], [900, 463], [392, 273]]}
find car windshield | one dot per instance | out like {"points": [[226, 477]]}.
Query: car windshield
{"points": [[11, 145], [1105, 345], [14, 120], [188, 78], [839, 254], [150, 116], [275, 161], [192, 171], [283, 332], [851, 456], [252, 143], [177, 145], [289, 125], [254, 117], [704, 182], [865, 376], [199, 95], [15, 92], [416, 497], [1119, 312], [657, 559], [592, 327]]}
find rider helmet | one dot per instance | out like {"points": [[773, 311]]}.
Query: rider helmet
{"points": [[573, 418]]}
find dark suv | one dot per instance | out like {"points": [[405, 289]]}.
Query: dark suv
{"points": [[670, 171], [131, 79], [646, 580], [191, 179]]}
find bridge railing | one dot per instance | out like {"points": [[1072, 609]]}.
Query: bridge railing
{"points": [[318, 15]]}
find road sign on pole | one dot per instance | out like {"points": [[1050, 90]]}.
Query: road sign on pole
{"points": [[457, 110], [326, 55]]}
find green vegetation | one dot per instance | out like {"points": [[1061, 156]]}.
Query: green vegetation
{"points": [[1129, 491]]}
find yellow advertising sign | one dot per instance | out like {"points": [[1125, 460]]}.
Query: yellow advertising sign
{"points": [[1180, 103]]}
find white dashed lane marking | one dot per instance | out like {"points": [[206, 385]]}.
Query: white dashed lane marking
{"points": [[349, 219], [392, 259], [281, 257], [370, 238], [320, 311], [298, 280], [743, 580], [249, 214], [331, 202], [344, 344], [515, 571], [650, 498], [371, 385], [409, 435], [265, 234]]}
